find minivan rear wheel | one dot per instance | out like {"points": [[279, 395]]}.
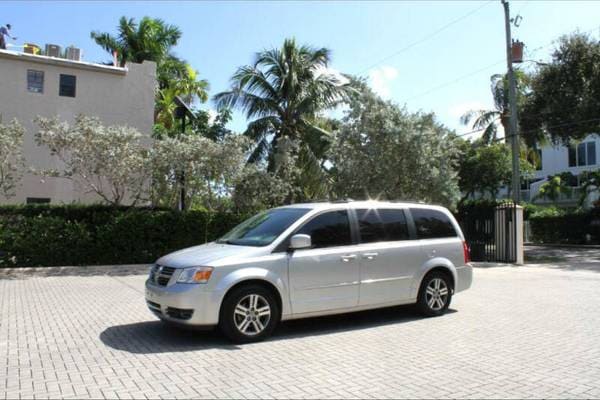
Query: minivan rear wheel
{"points": [[435, 294], [249, 313]]}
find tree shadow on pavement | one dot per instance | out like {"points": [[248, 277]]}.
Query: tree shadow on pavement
{"points": [[156, 337]]}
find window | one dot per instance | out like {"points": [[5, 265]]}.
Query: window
{"points": [[381, 225], [591, 153], [572, 156], [264, 227], [35, 81], [432, 224], [582, 154], [538, 161], [328, 229], [37, 200], [67, 85]]}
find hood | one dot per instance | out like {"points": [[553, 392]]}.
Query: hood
{"points": [[205, 255]]}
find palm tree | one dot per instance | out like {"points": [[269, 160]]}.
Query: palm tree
{"points": [[487, 120], [151, 39], [187, 86], [555, 186], [283, 92], [590, 183]]}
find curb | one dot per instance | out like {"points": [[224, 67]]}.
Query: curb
{"points": [[570, 246]]}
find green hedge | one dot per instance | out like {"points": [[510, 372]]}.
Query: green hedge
{"points": [[567, 229], [44, 235]]}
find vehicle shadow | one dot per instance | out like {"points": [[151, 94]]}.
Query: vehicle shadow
{"points": [[155, 337]]}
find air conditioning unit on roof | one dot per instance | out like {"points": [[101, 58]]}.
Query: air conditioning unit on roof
{"points": [[73, 53], [53, 50]]}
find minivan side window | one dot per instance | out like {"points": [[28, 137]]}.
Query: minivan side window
{"points": [[381, 225], [328, 229], [432, 224]]}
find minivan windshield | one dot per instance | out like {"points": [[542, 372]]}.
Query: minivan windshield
{"points": [[264, 227]]}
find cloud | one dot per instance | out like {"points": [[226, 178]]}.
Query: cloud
{"points": [[320, 70], [457, 110], [381, 78]]}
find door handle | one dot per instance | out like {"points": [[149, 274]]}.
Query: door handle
{"points": [[348, 258], [370, 256]]}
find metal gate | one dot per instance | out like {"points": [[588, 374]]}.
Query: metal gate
{"points": [[491, 232]]}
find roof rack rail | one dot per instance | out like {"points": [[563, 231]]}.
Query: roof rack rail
{"points": [[407, 201], [347, 200]]}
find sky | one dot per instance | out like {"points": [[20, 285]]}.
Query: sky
{"points": [[433, 56]]}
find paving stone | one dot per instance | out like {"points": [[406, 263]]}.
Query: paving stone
{"points": [[526, 332]]}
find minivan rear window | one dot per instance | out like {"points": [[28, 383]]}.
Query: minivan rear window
{"points": [[431, 224], [381, 225]]}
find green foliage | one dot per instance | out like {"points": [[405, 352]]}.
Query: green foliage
{"points": [[541, 211], [590, 183], [11, 158], [565, 94], [110, 161], [487, 120], [96, 235], [484, 168], [150, 39], [209, 168], [258, 189], [282, 93], [382, 151], [556, 186], [569, 228]]}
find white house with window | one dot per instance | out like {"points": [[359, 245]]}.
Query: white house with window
{"points": [[32, 85], [555, 159]]}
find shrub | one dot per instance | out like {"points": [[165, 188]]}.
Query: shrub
{"points": [[568, 229], [535, 211], [45, 235]]}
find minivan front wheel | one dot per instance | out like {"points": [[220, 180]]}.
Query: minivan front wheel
{"points": [[249, 314], [435, 294]]}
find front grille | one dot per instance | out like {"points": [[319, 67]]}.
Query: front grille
{"points": [[161, 275], [179, 313]]}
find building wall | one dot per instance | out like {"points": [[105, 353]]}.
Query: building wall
{"points": [[117, 96], [555, 159]]}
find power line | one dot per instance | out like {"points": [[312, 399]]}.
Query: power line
{"points": [[475, 72], [456, 80], [533, 130], [554, 41], [425, 38]]}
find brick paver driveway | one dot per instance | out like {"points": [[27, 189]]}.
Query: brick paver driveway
{"points": [[522, 332]]}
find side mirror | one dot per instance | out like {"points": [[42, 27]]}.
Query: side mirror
{"points": [[300, 241]]}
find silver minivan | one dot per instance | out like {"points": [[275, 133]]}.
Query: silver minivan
{"points": [[314, 259]]}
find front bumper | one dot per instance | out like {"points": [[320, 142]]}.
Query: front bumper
{"points": [[187, 304]]}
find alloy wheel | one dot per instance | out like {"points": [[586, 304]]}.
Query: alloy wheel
{"points": [[252, 314], [436, 294]]}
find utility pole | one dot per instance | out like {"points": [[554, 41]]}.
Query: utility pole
{"points": [[512, 108]]}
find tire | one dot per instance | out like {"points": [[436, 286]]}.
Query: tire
{"points": [[435, 294], [243, 317]]}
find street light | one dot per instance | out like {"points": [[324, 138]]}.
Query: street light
{"points": [[181, 111]]}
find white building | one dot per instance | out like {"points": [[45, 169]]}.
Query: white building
{"points": [[32, 85], [580, 157]]}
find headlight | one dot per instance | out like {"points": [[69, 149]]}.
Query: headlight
{"points": [[195, 275]]}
